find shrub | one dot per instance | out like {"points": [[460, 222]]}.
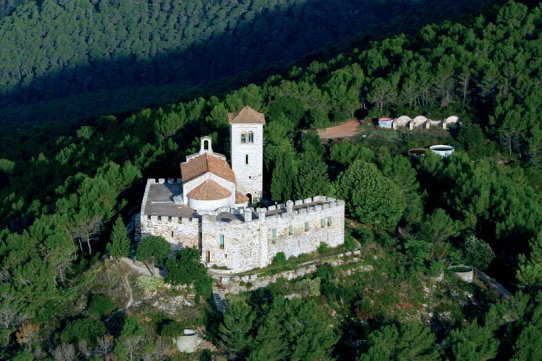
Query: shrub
{"points": [[100, 306], [478, 253], [279, 259], [87, 329], [350, 243], [323, 248], [172, 329], [150, 283], [186, 269], [153, 250]]}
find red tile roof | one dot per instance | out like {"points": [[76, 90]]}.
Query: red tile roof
{"points": [[209, 191], [246, 115], [240, 198], [204, 163]]}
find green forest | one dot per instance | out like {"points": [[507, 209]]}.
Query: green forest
{"points": [[74, 60], [65, 200]]}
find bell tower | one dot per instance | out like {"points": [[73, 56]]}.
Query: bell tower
{"points": [[246, 132]]}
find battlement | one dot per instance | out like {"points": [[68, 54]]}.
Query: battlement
{"points": [[163, 181], [282, 210], [172, 219]]}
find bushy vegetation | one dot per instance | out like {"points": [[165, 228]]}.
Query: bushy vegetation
{"points": [[482, 206]]}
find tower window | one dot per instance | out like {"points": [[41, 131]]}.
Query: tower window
{"points": [[221, 241], [243, 137], [273, 234], [246, 159], [251, 137], [322, 222], [329, 221]]}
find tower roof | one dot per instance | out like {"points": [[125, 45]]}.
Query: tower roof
{"points": [[246, 115], [209, 191], [203, 163]]}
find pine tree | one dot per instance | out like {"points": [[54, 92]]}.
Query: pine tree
{"points": [[120, 244], [312, 178], [235, 331], [283, 174]]}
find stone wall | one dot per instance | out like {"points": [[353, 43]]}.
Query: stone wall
{"points": [[180, 232], [325, 225], [253, 238], [232, 284]]}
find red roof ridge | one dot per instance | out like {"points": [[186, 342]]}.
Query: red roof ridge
{"points": [[246, 115]]}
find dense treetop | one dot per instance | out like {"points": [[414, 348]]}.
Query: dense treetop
{"points": [[94, 57]]}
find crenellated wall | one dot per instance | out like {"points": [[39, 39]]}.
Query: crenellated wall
{"points": [[180, 232], [253, 238]]}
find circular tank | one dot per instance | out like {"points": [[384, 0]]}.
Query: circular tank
{"points": [[188, 343], [442, 150], [417, 152]]}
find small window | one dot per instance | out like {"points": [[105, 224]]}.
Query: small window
{"points": [[306, 226], [290, 230], [171, 233], [221, 241], [323, 222], [148, 217], [159, 218], [243, 137], [329, 221], [273, 234], [251, 137], [226, 255], [246, 159]]}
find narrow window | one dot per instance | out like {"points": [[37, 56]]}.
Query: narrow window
{"points": [[171, 233], [290, 230], [208, 256], [273, 234], [329, 221], [251, 137], [159, 218], [306, 226], [226, 255], [243, 137], [246, 159], [322, 222], [221, 241], [148, 217]]}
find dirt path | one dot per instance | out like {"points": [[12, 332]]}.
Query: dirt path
{"points": [[347, 129], [130, 294]]}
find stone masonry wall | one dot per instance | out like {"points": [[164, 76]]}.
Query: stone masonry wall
{"points": [[254, 241], [180, 232], [325, 225]]}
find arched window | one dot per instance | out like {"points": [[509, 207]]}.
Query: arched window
{"points": [[243, 137], [251, 137], [206, 144]]}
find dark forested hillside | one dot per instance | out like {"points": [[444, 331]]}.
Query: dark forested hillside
{"points": [[78, 59]]}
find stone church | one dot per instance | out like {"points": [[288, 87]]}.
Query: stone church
{"points": [[211, 206]]}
